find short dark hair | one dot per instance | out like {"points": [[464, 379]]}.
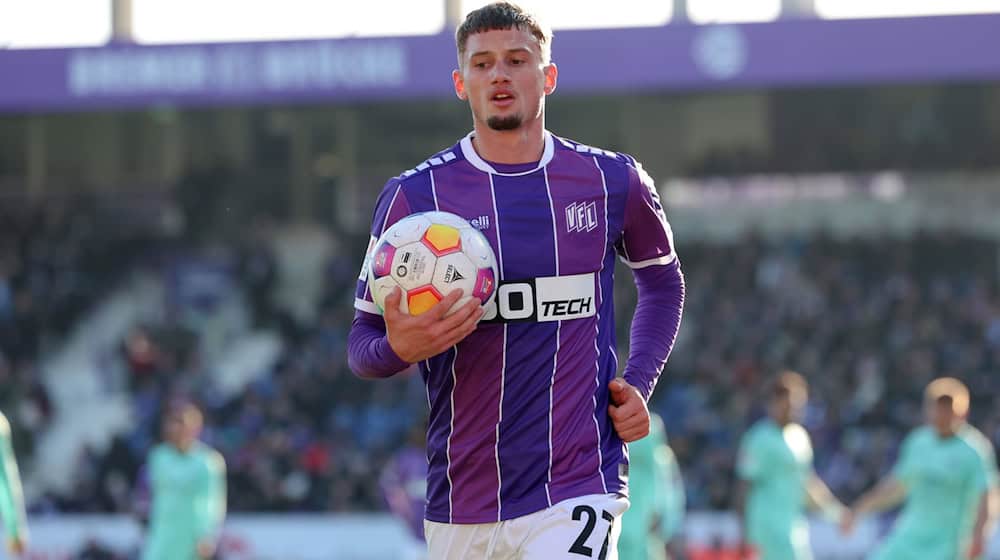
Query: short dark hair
{"points": [[502, 15]]}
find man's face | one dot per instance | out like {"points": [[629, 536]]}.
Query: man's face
{"points": [[181, 428], [941, 416], [503, 77], [788, 406]]}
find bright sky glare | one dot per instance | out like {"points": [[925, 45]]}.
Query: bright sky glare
{"points": [[844, 9], [580, 14], [54, 23], [728, 11], [70, 23]]}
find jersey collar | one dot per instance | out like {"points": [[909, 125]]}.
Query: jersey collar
{"points": [[479, 163]]}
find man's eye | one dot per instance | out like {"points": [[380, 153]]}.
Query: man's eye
{"points": [[479, 65], [517, 61]]}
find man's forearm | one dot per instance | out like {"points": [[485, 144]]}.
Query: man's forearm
{"points": [[986, 514], [823, 499], [655, 323], [368, 352], [888, 494]]}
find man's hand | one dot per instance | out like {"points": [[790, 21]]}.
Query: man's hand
{"points": [[16, 546], [847, 521], [416, 338], [206, 549], [628, 411], [977, 547]]}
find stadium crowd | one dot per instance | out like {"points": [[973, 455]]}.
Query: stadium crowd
{"points": [[869, 322], [57, 258]]}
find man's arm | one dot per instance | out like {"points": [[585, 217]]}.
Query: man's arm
{"points": [[751, 465], [212, 505], [11, 496], [369, 354], [986, 516], [887, 494], [647, 247], [655, 324], [378, 347], [822, 499]]}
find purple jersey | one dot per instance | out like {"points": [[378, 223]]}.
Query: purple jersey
{"points": [[518, 409]]}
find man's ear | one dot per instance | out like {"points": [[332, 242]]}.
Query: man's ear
{"points": [[456, 77], [551, 77]]}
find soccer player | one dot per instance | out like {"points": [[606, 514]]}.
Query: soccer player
{"points": [[527, 419], [657, 497], [947, 476], [777, 479], [11, 496], [188, 483]]}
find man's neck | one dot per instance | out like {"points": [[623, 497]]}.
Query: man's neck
{"points": [[780, 422], [523, 145]]}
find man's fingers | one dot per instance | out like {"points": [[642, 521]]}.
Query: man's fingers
{"points": [[630, 425], [619, 391], [445, 326], [441, 308], [391, 310], [465, 328], [632, 435]]}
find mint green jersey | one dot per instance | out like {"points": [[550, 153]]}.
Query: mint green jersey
{"points": [[656, 496], [189, 500], [11, 498], [777, 463], [945, 479]]}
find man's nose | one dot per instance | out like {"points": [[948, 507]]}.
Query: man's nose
{"points": [[501, 74]]}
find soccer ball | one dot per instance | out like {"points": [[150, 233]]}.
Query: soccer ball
{"points": [[428, 255]]}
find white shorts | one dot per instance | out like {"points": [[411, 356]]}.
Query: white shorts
{"points": [[584, 527]]}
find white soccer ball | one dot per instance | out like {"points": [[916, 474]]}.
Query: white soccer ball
{"points": [[428, 255]]}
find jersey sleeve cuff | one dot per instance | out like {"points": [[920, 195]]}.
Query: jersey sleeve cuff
{"points": [[663, 259], [366, 306]]}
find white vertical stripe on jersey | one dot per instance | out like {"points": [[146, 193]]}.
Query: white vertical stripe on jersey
{"points": [[451, 432], [434, 192], [503, 358], [597, 329], [496, 220], [385, 221], [555, 357], [496, 446]]}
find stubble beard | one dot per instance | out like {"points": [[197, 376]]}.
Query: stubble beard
{"points": [[511, 122]]}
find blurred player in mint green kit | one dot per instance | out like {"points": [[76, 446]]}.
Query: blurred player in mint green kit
{"points": [[657, 497], [778, 482], [188, 484], [11, 497], [946, 477]]}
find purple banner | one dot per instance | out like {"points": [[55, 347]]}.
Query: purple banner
{"points": [[784, 53]]}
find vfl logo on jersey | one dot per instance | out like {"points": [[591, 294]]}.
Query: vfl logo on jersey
{"points": [[553, 298], [481, 223], [581, 217]]}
